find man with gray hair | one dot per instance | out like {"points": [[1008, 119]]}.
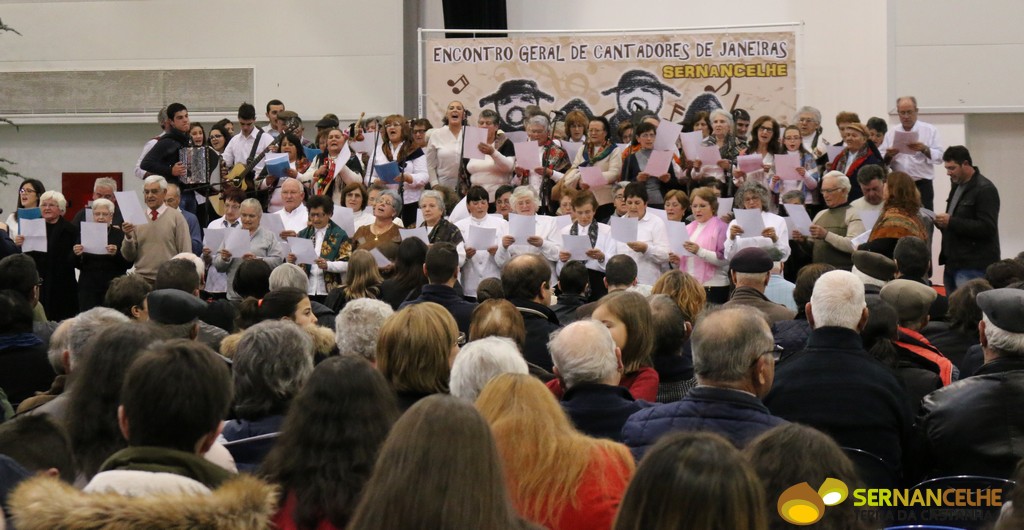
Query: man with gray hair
{"points": [[834, 385], [358, 326], [734, 360], [833, 229], [589, 364], [165, 234], [102, 188], [480, 361], [968, 427]]}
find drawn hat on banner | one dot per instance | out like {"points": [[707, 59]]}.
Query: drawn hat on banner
{"points": [[576, 104], [637, 90], [634, 79], [511, 100]]}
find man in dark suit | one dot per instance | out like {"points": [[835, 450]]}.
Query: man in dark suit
{"points": [[970, 226], [441, 267]]}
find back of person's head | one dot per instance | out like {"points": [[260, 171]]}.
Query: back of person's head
{"points": [[274, 305], [95, 391], [196, 261], [409, 259], [805, 280], [422, 445], [489, 288], [632, 309], [126, 295], [584, 352], [480, 361], [414, 348], [964, 314], [252, 279], [59, 343], [573, 278], [441, 262], [358, 325], [794, 454], [330, 439], [87, 325], [362, 279], [913, 258], [288, 275], [175, 396], [18, 273], [727, 344], [669, 326], [272, 362], [1004, 272], [39, 444], [837, 300], [497, 317], [879, 331], [177, 274], [693, 480], [15, 313], [620, 271], [682, 288], [523, 277]]}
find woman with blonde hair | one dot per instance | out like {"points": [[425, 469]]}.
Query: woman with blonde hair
{"points": [[415, 350], [556, 476], [684, 290], [362, 280]]}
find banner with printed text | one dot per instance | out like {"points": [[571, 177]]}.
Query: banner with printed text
{"points": [[674, 75]]}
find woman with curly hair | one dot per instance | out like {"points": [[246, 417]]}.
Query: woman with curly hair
{"points": [[901, 214], [684, 290], [328, 444]]}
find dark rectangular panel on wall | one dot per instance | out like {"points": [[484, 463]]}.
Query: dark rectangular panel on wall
{"points": [[475, 14], [123, 91]]}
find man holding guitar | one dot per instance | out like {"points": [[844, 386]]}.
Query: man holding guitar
{"points": [[246, 146]]}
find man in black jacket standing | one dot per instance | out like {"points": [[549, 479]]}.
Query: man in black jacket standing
{"points": [[163, 159], [970, 226]]}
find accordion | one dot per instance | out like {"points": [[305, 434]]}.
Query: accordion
{"points": [[196, 166]]}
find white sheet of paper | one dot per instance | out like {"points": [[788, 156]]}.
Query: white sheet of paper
{"points": [[709, 155], [237, 242], [459, 212], [271, 222], [34, 231], [132, 210], [517, 136], [677, 235], [861, 239], [522, 227], [481, 238], [757, 242], [801, 221], [592, 176], [275, 156], [750, 163], [474, 137], [418, 232], [381, 259], [303, 250], [869, 218], [785, 166], [901, 141], [571, 148], [90, 218], [624, 229], [750, 221], [527, 155], [621, 147], [343, 156], [657, 164], [833, 151], [213, 239], [344, 218], [667, 134], [94, 238], [691, 144], [369, 141], [576, 246], [562, 221], [725, 205], [658, 212]]}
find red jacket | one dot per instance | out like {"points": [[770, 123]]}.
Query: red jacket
{"points": [[597, 500], [642, 384]]}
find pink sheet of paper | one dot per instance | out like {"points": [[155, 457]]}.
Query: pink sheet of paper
{"points": [[785, 166], [657, 164], [709, 155], [592, 176], [691, 144], [750, 163]]}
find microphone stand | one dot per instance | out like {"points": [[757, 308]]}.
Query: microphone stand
{"points": [[368, 171], [462, 188]]}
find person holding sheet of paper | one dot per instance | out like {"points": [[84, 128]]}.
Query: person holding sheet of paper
{"points": [[480, 259], [28, 197], [332, 246], [919, 158], [650, 250], [397, 146], [356, 198], [164, 235], [216, 281], [495, 170], [554, 162], [439, 229], [729, 147], [602, 247], [755, 197], [857, 152], [382, 233], [806, 169], [58, 292], [543, 242], [262, 245], [601, 153], [444, 147], [706, 243], [636, 168], [833, 229], [98, 270], [331, 170], [765, 142]]}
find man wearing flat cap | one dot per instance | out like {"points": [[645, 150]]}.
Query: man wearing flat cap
{"points": [[176, 311], [873, 269], [922, 366], [750, 269], [973, 426]]}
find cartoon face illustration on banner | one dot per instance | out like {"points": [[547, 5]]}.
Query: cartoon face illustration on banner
{"points": [[511, 100], [637, 90]]}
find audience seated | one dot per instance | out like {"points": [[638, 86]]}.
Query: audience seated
{"points": [[572, 287], [671, 338], [959, 332], [913, 260], [750, 269], [291, 275], [526, 281], [358, 326], [24, 368], [127, 294], [442, 269], [620, 275], [791, 335], [482, 360], [911, 301], [409, 276], [415, 350]]}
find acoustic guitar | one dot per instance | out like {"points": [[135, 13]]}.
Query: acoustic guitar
{"points": [[239, 175]]}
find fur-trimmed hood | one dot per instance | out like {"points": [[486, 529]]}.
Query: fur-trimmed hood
{"points": [[323, 341], [46, 503]]}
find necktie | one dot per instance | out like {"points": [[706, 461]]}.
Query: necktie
{"points": [[153, 214]]}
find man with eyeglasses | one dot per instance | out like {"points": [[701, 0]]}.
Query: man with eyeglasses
{"points": [[734, 361], [834, 228], [918, 159], [164, 236], [808, 122]]}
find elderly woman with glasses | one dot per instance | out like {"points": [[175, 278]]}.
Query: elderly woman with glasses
{"points": [[774, 237], [729, 147], [98, 270], [382, 234]]}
